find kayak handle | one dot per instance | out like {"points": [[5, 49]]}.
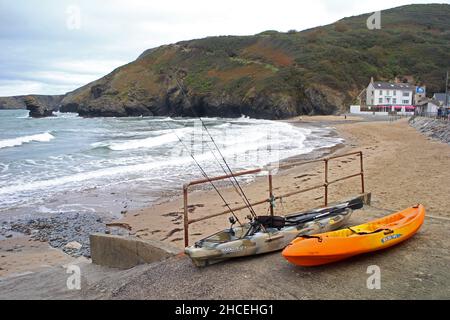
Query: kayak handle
{"points": [[386, 231], [275, 238], [311, 237]]}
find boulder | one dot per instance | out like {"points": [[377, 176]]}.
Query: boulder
{"points": [[73, 245]]}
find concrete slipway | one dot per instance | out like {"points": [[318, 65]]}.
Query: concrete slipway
{"points": [[416, 269]]}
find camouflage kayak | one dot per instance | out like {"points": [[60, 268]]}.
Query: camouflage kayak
{"points": [[268, 234]]}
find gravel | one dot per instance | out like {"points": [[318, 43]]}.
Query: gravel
{"points": [[60, 230]]}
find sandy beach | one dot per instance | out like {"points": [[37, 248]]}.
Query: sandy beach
{"points": [[402, 168]]}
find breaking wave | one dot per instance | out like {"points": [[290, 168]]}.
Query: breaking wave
{"points": [[15, 142], [147, 142]]}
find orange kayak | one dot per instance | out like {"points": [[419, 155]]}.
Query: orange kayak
{"points": [[338, 245]]}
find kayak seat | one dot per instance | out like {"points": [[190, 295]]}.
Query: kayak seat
{"points": [[272, 222]]}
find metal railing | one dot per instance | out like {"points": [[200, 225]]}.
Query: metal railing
{"points": [[272, 197]]}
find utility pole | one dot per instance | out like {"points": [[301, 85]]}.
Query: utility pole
{"points": [[446, 91]]}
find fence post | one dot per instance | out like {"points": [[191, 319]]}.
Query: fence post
{"points": [[186, 216], [326, 182], [362, 172], [271, 193]]}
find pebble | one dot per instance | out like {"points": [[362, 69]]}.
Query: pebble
{"points": [[73, 245], [62, 229]]}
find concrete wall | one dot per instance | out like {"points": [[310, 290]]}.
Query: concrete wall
{"points": [[357, 110], [127, 252]]}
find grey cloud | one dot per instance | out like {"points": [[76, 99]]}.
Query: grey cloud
{"points": [[35, 41]]}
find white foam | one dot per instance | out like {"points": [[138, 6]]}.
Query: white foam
{"points": [[92, 175], [15, 142], [4, 167], [148, 142], [223, 125], [119, 170], [245, 143], [168, 119]]}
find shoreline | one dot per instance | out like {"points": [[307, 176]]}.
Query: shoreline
{"points": [[171, 209], [388, 149], [46, 230]]}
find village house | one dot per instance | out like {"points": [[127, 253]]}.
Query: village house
{"points": [[437, 102], [442, 100], [387, 97]]}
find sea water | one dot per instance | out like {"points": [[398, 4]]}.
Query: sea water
{"points": [[68, 163]]}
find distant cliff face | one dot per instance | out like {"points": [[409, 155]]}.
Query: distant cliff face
{"points": [[201, 78], [18, 102], [275, 75]]}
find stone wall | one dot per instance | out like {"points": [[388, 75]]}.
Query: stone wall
{"points": [[438, 129]]}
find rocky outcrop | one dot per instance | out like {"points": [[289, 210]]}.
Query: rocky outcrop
{"points": [[18, 102], [37, 110], [266, 107], [102, 99]]}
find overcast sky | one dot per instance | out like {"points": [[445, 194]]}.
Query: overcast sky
{"points": [[55, 46]]}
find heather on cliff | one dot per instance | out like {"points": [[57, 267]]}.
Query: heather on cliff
{"points": [[275, 75]]}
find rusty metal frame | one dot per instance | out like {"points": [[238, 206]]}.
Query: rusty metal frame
{"points": [[272, 197]]}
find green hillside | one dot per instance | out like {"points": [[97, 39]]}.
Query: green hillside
{"points": [[276, 75]]}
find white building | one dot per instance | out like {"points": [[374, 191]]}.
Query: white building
{"points": [[389, 94], [441, 100], [432, 108]]}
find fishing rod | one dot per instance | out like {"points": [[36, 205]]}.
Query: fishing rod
{"points": [[229, 169], [205, 175], [235, 182]]}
